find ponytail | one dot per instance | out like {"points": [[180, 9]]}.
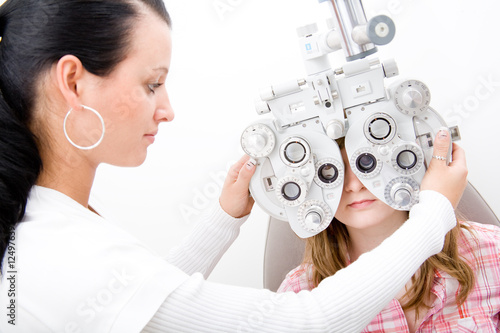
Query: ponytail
{"points": [[20, 161], [20, 165]]}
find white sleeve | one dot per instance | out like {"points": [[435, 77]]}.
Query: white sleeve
{"points": [[202, 249], [345, 302]]}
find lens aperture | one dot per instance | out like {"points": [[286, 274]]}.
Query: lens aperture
{"points": [[407, 159], [295, 152], [328, 173], [380, 128], [291, 191], [366, 163]]}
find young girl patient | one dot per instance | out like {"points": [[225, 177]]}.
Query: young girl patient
{"points": [[457, 290]]}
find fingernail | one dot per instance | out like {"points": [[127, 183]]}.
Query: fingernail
{"points": [[251, 163], [443, 132]]}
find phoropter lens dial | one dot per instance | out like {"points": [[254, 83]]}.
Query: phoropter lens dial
{"points": [[329, 173], [365, 164], [407, 158], [380, 128], [295, 152], [291, 191]]}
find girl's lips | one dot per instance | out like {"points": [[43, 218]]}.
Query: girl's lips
{"points": [[361, 203]]}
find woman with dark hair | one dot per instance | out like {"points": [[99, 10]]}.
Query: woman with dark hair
{"points": [[82, 83]]}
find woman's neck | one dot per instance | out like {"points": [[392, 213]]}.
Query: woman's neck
{"points": [[366, 239], [70, 175]]}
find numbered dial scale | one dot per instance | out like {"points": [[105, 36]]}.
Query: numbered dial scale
{"points": [[258, 140], [412, 97]]}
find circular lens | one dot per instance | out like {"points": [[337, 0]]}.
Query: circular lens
{"points": [[328, 173], [406, 159], [295, 152], [291, 191], [380, 128], [366, 163]]}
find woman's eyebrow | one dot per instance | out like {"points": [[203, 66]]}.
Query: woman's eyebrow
{"points": [[161, 69]]}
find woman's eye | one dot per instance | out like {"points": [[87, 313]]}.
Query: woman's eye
{"points": [[153, 86]]}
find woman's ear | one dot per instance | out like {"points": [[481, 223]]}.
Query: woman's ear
{"points": [[69, 71]]}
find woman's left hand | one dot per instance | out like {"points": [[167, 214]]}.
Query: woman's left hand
{"points": [[235, 198]]}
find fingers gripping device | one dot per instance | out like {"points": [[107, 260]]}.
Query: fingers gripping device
{"points": [[388, 131]]}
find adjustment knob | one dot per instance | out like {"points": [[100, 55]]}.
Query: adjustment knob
{"points": [[335, 129], [314, 216], [412, 97], [402, 197], [380, 128], [381, 30], [313, 219], [390, 68], [261, 107], [258, 140], [401, 193]]}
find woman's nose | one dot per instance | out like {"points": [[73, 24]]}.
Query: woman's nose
{"points": [[164, 111], [351, 181], [164, 114]]}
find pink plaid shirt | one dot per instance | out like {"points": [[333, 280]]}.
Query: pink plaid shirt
{"points": [[479, 313]]}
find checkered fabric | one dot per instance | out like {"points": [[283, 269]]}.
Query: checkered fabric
{"points": [[479, 313]]}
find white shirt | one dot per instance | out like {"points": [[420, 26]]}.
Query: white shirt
{"points": [[77, 272]]}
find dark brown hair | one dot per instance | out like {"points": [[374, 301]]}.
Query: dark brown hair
{"points": [[35, 34]]}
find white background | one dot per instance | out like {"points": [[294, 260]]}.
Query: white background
{"points": [[220, 60]]}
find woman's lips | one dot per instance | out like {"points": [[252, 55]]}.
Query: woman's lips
{"points": [[361, 203], [150, 137]]}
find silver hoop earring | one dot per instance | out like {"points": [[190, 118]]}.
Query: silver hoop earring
{"points": [[71, 141]]}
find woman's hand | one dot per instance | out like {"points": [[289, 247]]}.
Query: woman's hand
{"points": [[235, 198], [449, 180]]}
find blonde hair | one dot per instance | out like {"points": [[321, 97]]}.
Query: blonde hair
{"points": [[327, 252]]}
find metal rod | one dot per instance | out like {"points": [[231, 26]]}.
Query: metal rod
{"points": [[348, 14]]}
